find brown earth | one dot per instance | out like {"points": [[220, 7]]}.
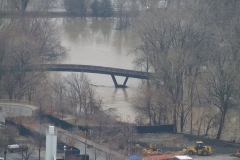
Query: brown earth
{"points": [[176, 142]]}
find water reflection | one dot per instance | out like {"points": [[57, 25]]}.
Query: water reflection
{"points": [[98, 31], [121, 39], [74, 27], [121, 91], [102, 27]]}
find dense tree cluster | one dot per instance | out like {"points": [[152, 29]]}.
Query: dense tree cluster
{"points": [[22, 5], [75, 95], [76, 6], [126, 11], [193, 47], [102, 8], [25, 42]]}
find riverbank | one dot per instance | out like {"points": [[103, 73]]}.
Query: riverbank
{"points": [[39, 14], [58, 14]]}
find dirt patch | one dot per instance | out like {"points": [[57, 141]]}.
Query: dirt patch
{"points": [[176, 142]]}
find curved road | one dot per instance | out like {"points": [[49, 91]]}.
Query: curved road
{"points": [[10, 109], [15, 109]]}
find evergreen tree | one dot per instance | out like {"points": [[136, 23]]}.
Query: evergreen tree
{"points": [[82, 5], [95, 8], [76, 6], [106, 8]]}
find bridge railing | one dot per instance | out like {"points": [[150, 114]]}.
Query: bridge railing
{"points": [[89, 68]]}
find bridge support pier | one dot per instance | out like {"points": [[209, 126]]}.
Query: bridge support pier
{"points": [[119, 85]]}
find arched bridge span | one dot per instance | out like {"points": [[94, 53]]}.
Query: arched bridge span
{"points": [[94, 69]]}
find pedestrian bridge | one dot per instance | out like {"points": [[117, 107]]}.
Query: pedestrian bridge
{"points": [[94, 69]]}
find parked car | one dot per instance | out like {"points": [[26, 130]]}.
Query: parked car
{"points": [[182, 158], [16, 148]]}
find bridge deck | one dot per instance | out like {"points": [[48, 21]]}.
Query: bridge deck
{"points": [[91, 69]]}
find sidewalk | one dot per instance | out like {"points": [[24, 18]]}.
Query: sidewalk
{"points": [[32, 107]]}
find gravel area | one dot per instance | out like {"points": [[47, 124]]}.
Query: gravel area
{"points": [[219, 157], [176, 142]]}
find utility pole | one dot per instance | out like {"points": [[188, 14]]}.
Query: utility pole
{"points": [[85, 144], [5, 154], [64, 148]]}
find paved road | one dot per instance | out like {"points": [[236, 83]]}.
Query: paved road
{"points": [[11, 110], [90, 151], [95, 149]]}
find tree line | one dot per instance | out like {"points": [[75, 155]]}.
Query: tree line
{"points": [[126, 11], [193, 48]]}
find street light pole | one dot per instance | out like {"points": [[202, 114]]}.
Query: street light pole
{"points": [[128, 147], [64, 148], [5, 154], [85, 144]]}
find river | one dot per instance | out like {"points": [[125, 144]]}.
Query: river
{"points": [[96, 42]]}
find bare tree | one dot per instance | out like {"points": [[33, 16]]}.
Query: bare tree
{"points": [[109, 156], [206, 120], [168, 40], [96, 153], [163, 110], [145, 103], [41, 96], [9, 134], [221, 87], [39, 140], [80, 87], [28, 149], [191, 95], [29, 41], [143, 4], [21, 6], [123, 20], [102, 119], [59, 88], [72, 99], [71, 140], [42, 5], [78, 82], [19, 59], [3, 41]]}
